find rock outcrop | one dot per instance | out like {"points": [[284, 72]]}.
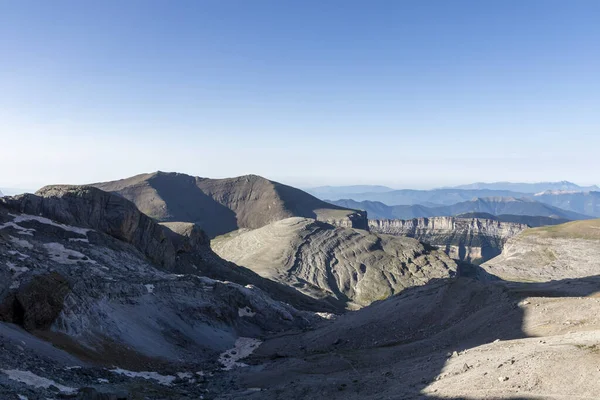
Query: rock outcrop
{"points": [[176, 247], [92, 273], [220, 206], [472, 240], [352, 266], [570, 250]]}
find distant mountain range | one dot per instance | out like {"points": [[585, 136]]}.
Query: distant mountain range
{"points": [[529, 187], [430, 198], [448, 195], [493, 205]]}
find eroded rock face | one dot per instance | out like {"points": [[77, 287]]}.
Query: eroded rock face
{"points": [[89, 207], [466, 239], [176, 247], [95, 288], [37, 304], [352, 266]]}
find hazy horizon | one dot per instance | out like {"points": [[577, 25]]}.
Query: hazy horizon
{"points": [[17, 189], [403, 94]]}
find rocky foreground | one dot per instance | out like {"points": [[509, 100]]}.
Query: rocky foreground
{"points": [[95, 294]]}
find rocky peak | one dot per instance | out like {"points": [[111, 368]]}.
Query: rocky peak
{"points": [[89, 207]]}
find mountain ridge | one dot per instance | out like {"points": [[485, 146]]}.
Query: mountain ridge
{"points": [[493, 206], [220, 206]]}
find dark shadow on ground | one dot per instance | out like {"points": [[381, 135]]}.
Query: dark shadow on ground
{"points": [[188, 203], [395, 348]]}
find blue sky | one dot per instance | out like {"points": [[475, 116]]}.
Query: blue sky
{"points": [[404, 93]]}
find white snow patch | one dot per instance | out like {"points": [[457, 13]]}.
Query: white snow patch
{"points": [[20, 229], [161, 379], [46, 221], [149, 288], [243, 348], [60, 254], [21, 242], [185, 375], [21, 397], [102, 380], [73, 367], [326, 315], [79, 240], [18, 254], [15, 269], [31, 379], [246, 312]]}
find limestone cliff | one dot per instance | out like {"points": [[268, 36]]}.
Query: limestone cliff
{"points": [[473, 240]]}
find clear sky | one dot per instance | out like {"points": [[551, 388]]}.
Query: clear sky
{"points": [[416, 93]]}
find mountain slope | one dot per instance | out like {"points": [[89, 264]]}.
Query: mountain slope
{"points": [[353, 266], [493, 206], [86, 271], [219, 206]]}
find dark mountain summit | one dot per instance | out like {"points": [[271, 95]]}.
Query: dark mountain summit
{"points": [[223, 205]]}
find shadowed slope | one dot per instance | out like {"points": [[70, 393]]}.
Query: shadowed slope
{"points": [[223, 205]]}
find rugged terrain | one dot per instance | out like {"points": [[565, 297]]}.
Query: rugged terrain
{"points": [[473, 240], [99, 301], [89, 273], [219, 206], [570, 250], [352, 266], [450, 339]]}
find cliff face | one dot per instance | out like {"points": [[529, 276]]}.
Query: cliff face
{"points": [[467, 239]]}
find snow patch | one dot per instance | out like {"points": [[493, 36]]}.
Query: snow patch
{"points": [[102, 380], [31, 379], [21, 242], [62, 255], [326, 315], [161, 379], [21, 397], [79, 240], [243, 348], [246, 312], [20, 229], [46, 221], [18, 254], [149, 288]]}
